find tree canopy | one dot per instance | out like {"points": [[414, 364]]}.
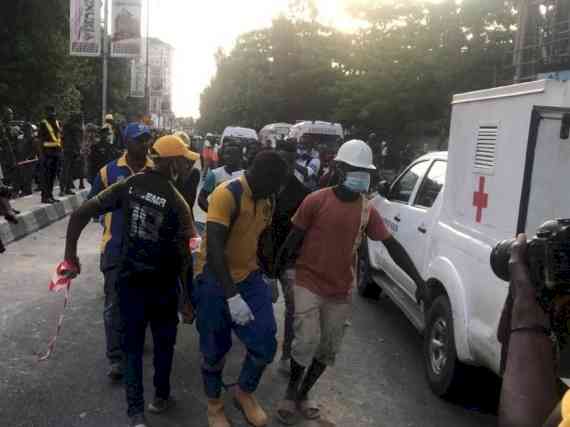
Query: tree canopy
{"points": [[395, 75], [36, 69]]}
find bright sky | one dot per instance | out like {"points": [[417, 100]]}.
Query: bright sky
{"points": [[196, 28]]}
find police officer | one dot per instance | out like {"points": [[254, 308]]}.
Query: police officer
{"points": [[72, 137], [50, 148], [158, 228], [7, 153]]}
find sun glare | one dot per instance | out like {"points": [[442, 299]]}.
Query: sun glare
{"points": [[196, 29]]}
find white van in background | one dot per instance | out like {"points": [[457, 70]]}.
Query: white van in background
{"points": [[270, 134], [245, 135], [507, 171], [316, 132]]}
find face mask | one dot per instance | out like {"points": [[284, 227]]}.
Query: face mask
{"points": [[357, 182]]}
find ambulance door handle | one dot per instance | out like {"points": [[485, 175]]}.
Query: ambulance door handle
{"points": [[397, 218], [422, 229]]}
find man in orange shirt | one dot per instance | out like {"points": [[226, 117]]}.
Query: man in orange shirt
{"points": [[328, 228]]}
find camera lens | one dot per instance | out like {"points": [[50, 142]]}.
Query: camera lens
{"points": [[500, 256]]}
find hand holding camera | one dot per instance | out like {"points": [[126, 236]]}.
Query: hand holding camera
{"points": [[539, 272]]}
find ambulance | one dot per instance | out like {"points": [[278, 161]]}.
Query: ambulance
{"points": [[506, 172]]}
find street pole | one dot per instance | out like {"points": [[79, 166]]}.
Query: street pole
{"points": [[105, 63], [147, 84]]}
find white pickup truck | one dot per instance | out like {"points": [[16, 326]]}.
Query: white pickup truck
{"points": [[507, 171]]}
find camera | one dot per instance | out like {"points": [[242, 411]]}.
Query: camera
{"points": [[548, 256]]}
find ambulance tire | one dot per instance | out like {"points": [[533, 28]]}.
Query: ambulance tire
{"points": [[364, 283], [444, 372]]}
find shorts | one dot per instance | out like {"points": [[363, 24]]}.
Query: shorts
{"points": [[320, 325]]}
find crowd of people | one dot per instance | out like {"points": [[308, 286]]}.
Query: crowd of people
{"points": [[55, 152], [294, 215]]}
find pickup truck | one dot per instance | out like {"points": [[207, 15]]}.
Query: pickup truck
{"points": [[505, 172]]}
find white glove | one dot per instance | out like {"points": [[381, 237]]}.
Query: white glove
{"points": [[239, 310]]}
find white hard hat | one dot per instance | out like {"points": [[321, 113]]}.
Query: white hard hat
{"points": [[355, 153], [109, 117]]}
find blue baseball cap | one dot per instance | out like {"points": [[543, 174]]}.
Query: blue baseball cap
{"points": [[134, 130]]}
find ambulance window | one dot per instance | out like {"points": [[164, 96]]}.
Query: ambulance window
{"points": [[402, 189], [432, 184]]}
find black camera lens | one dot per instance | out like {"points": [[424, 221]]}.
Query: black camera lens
{"points": [[500, 256]]}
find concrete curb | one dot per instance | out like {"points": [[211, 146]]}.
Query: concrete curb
{"points": [[40, 217]]}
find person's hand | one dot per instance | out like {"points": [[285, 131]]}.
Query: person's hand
{"points": [[521, 306], [239, 310], [74, 264], [187, 313]]}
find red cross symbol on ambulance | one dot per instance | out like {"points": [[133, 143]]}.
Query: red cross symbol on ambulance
{"points": [[480, 199]]}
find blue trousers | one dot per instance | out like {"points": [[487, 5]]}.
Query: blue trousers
{"points": [[148, 299], [215, 326]]}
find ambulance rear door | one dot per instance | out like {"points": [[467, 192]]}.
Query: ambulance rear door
{"points": [[546, 183]]}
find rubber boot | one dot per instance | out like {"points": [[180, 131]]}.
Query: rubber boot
{"points": [[251, 409], [216, 416]]}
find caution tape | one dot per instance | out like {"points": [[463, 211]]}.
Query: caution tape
{"points": [[53, 340]]}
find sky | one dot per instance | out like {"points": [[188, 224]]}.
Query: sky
{"points": [[196, 28]]}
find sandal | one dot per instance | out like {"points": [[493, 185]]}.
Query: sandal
{"points": [[309, 409], [287, 412]]}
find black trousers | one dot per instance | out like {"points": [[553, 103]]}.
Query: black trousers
{"points": [[147, 299], [50, 164], [70, 161]]}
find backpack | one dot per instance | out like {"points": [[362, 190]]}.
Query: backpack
{"points": [[235, 187]]}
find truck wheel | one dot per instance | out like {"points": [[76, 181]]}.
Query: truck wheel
{"points": [[364, 283], [444, 371]]}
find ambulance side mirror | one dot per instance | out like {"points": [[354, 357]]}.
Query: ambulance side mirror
{"points": [[565, 127], [384, 188]]}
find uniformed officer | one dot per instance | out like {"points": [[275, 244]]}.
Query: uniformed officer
{"points": [[50, 148], [7, 153], [155, 249]]}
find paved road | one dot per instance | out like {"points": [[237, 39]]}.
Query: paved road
{"points": [[378, 380]]}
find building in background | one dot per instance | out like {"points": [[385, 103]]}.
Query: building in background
{"points": [[160, 58], [542, 42]]}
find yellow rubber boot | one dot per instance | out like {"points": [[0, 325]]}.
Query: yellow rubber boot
{"points": [[251, 409], [216, 416]]}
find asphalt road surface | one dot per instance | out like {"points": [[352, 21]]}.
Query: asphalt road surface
{"points": [[378, 380]]}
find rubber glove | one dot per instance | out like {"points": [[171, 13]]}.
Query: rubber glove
{"points": [[239, 310]]}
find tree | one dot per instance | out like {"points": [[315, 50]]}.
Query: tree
{"points": [[36, 69]]}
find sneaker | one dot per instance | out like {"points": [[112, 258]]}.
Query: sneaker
{"points": [[138, 420], [116, 372], [160, 405]]}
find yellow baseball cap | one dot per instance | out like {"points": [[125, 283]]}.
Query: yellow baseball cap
{"points": [[172, 146]]}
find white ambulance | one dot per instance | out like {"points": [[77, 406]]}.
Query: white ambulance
{"points": [[507, 171]]}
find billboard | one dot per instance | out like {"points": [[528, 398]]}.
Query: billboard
{"points": [[126, 28], [138, 78], [85, 28]]}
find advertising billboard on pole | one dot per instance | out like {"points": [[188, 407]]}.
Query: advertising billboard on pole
{"points": [[85, 28], [126, 29]]}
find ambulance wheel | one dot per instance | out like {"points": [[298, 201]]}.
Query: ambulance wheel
{"points": [[445, 373], [364, 283]]}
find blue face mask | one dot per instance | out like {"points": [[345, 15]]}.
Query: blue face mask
{"points": [[357, 182]]}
